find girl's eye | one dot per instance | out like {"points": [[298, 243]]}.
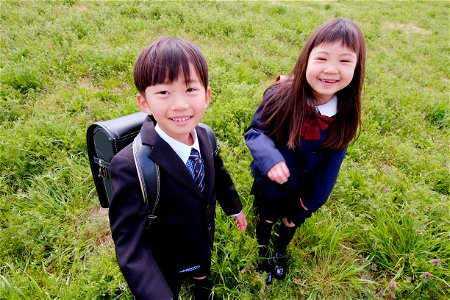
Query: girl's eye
{"points": [[321, 58]]}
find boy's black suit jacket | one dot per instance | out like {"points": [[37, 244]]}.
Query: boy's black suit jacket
{"points": [[182, 235]]}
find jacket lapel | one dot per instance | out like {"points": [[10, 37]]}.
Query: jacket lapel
{"points": [[208, 159], [166, 158]]}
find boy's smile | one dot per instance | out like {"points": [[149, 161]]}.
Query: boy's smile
{"points": [[177, 106]]}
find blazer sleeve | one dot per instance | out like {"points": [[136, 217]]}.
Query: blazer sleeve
{"points": [[128, 214], [318, 188], [265, 154], [226, 193]]}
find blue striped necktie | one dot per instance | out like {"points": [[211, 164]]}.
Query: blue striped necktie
{"points": [[196, 168]]}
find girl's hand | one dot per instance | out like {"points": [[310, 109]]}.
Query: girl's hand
{"points": [[279, 173], [241, 221]]}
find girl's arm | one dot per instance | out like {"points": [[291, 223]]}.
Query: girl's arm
{"points": [[265, 154]]}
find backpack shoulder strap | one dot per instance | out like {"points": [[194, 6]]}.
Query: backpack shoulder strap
{"points": [[148, 173], [211, 137]]}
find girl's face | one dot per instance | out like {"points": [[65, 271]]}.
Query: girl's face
{"points": [[330, 69]]}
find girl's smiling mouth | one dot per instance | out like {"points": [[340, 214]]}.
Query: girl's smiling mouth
{"points": [[328, 81]]}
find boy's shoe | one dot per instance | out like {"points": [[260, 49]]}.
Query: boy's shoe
{"points": [[203, 290], [279, 268]]}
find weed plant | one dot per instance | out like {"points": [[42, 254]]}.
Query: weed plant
{"points": [[384, 232]]}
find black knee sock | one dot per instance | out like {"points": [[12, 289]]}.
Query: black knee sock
{"points": [[263, 234], [285, 235]]}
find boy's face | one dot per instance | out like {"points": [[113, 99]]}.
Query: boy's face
{"points": [[177, 106]]}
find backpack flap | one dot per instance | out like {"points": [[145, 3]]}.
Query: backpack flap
{"points": [[104, 140]]}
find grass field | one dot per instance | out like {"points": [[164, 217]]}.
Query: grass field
{"points": [[383, 234]]}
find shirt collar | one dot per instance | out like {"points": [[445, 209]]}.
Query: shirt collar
{"points": [[328, 109], [182, 150]]}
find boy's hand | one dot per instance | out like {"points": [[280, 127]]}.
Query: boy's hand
{"points": [[241, 221], [279, 173]]}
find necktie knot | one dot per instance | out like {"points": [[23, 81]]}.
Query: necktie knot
{"points": [[194, 154], [196, 168]]}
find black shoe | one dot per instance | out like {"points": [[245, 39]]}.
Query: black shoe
{"points": [[203, 290], [269, 278], [265, 265], [279, 268]]}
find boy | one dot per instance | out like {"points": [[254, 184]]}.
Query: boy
{"points": [[171, 76]]}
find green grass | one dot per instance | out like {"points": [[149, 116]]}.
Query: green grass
{"points": [[384, 232]]}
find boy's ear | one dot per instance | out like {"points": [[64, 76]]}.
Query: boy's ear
{"points": [[143, 104], [208, 97]]}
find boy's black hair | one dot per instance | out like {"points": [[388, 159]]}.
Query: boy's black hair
{"points": [[163, 61]]}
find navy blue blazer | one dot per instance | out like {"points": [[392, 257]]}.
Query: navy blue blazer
{"points": [[182, 235], [313, 170]]}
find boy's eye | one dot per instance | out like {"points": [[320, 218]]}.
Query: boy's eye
{"points": [[191, 89], [163, 92]]}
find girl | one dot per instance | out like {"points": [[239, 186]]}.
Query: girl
{"points": [[300, 132]]}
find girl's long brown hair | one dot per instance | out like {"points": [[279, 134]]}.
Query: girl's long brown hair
{"points": [[284, 109]]}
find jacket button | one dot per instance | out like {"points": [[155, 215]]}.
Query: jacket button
{"points": [[209, 227]]}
